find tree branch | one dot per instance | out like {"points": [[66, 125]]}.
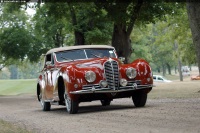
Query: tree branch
{"points": [[73, 15], [134, 16]]}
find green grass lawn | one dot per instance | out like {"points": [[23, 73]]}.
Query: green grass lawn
{"points": [[15, 87]]}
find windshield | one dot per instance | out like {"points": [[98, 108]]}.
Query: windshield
{"points": [[79, 54]]}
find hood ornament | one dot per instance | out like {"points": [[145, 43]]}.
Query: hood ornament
{"points": [[110, 59]]}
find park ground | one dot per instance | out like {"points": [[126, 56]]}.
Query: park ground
{"points": [[171, 107]]}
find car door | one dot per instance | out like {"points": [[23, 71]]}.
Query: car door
{"points": [[49, 65], [160, 79]]}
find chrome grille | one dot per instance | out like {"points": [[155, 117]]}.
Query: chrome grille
{"points": [[112, 74]]}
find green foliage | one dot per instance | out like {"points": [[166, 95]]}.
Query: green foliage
{"points": [[15, 42], [141, 42], [16, 39], [156, 42], [92, 22], [13, 71], [4, 74], [28, 70], [181, 32], [11, 15], [50, 22], [53, 26], [20, 70]]}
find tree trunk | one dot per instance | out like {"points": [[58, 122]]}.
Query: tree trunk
{"points": [[175, 69], [190, 67], [79, 36], [194, 19], [169, 69], [158, 69], [121, 42], [56, 40], [163, 69], [121, 32], [179, 69]]}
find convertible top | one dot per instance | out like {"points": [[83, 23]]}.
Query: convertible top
{"points": [[77, 47]]}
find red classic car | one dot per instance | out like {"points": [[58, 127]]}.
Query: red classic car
{"points": [[84, 73]]}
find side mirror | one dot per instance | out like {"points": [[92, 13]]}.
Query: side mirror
{"points": [[48, 63], [122, 59]]}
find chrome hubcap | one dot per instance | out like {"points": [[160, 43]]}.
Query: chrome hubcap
{"points": [[67, 102], [41, 100]]}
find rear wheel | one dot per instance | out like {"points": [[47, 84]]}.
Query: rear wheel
{"points": [[71, 105], [139, 98], [105, 102]]}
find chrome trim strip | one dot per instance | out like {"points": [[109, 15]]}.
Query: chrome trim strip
{"points": [[108, 90]]}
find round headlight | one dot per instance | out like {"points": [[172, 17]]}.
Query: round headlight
{"points": [[90, 76], [131, 73]]}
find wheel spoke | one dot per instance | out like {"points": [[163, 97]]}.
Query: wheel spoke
{"points": [[67, 102], [71, 105]]}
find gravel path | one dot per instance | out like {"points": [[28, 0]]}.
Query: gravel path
{"points": [[158, 116]]}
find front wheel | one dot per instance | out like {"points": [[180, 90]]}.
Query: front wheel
{"points": [[46, 106], [71, 105], [139, 98]]}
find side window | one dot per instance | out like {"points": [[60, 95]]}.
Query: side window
{"points": [[49, 58], [154, 77], [160, 78]]}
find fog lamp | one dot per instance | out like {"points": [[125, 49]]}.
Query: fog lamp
{"points": [[148, 79], [103, 83], [123, 82]]}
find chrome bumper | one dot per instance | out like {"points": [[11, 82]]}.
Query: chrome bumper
{"points": [[95, 88]]}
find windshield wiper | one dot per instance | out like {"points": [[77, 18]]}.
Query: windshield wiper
{"points": [[66, 58]]}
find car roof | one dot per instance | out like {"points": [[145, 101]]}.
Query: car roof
{"points": [[77, 47], [158, 75]]}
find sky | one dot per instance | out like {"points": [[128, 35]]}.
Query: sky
{"points": [[30, 11]]}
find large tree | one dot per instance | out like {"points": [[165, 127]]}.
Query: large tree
{"points": [[83, 19], [125, 14], [90, 24], [194, 19], [14, 34], [50, 23]]}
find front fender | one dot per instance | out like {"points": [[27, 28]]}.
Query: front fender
{"points": [[144, 73]]}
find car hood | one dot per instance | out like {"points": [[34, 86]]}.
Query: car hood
{"points": [[97, 62], [78, 68]]}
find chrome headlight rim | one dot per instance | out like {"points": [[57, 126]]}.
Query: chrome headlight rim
{"points": [[90, 76], [131, 72]]}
